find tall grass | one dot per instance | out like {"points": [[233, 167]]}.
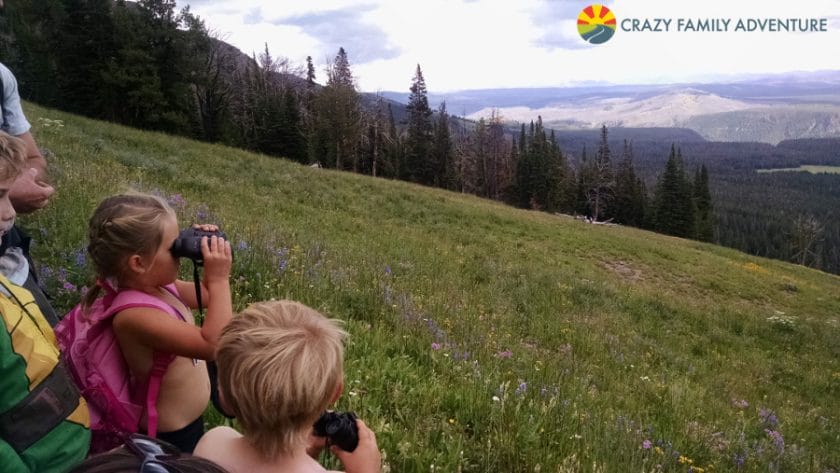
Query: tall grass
{"points": [[485, 338]]}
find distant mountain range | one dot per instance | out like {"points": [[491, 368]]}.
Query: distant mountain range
{"points": [[768, 108]]}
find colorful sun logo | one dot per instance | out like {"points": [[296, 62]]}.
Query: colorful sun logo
{"points": [[596, 24]]}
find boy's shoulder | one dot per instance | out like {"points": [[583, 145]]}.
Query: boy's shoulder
{"points": [[219, 434]]}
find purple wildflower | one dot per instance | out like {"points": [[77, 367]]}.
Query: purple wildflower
{"points": [[768, 417], [461, 356], [80, 257], [387, 270], [436, 346], [522, 388], [176, 201], [243, 245], [69, 287], [504, 354], [647, 444], [777, 438], [739, 461]]}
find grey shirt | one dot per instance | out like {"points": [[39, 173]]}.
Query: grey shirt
{"points": [[14, 122]]}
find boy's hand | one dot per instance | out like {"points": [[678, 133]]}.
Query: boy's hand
{"points": [[316, 445], [217, 257], [366, 457], [206, 227]]}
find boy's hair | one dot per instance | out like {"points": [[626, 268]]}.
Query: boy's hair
{"points": [[121, 226], [280, 363], [12, 156]]}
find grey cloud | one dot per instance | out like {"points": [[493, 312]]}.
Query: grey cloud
{"points": [[364, 42]]}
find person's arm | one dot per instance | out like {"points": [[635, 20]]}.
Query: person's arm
{"points": [[162, 332], [159, 331], [31, 190], [34, 158]]}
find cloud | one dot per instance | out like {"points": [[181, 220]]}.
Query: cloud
{"points": [[345, 27], [253, 17], [557, 21]]}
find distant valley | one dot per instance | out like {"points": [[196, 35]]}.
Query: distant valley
{"points": [[766, 109]]}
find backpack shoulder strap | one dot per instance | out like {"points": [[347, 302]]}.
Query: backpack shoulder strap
{"points": [[131, 298]]}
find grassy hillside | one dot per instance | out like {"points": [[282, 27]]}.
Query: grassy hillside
{"points": [[490, 339]]}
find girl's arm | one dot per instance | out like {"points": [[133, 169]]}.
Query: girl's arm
{"points": [[162, 332]]}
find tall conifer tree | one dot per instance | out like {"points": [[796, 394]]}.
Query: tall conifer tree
{"points": [[419, 165]]}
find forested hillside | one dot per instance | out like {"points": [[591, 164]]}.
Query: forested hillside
{"points": [[149, 66]]}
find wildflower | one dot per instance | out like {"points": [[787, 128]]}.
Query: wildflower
{"points": [[176, 201], [684, 459], [387, 270], [69, 287], [657, 450], [768, 417], [740, 404], [80, 257], [739, 461], [646, 444], [451, 421], [777, 438], [436, 346], [504, 354], [461, 356], [496, 399], [243, 245], [523, 387]]}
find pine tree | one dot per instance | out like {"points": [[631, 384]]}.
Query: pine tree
{"points": [[419, 165], [338, 118], [703, 204], [87, 45], [629, 199], [586, 179], [442, 155], [674, 206]]}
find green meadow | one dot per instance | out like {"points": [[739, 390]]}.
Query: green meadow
{"points": [[486, 338]]}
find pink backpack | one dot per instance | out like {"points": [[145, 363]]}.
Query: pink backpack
{"points": [[91, 352]]}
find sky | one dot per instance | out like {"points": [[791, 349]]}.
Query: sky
{"points": [[482, 44]]}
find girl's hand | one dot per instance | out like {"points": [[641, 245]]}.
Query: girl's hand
{"points": [[217, 257], [366, 457]]}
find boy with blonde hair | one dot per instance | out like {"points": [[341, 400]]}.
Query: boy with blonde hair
{"points": [[280, 366]]}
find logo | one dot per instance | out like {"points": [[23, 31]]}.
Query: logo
{"points": [[596, 24]]}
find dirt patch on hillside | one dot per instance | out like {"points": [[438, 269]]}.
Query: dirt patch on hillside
{"points": [[627, 272]]}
